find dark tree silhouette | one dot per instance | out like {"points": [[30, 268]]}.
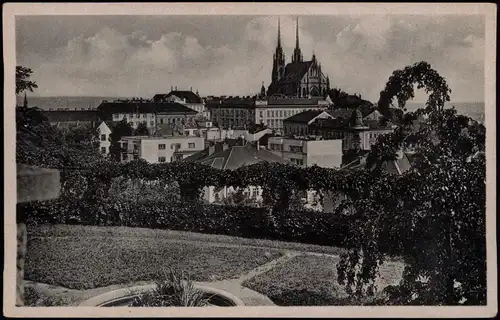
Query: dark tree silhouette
{"points": [[22, 80]]}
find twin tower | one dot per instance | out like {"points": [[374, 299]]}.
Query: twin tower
{"points": [[298, 78]]}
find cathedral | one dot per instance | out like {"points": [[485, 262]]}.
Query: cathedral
{"points": [[298, 78]]}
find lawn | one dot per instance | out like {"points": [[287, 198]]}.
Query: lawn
{"points": [[80, 257], [308, 280]]}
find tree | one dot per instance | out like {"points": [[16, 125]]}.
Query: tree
{"points": [[433, 216], [22, 80], [122, 129], [142, 130]]}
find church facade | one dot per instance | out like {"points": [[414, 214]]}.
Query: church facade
{"points": [[298, 78]]}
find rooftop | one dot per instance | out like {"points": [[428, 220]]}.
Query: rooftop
{"points": [[71, 115], [235, 157], [190, 96]]}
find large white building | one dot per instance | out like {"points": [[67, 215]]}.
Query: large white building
{"points": [[307, 152], [160, 149]]}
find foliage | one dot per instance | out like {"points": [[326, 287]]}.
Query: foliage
{"points": [[22, 80], [122, 129], [433, 215], [142, 130], [40, 144], [33, 298], [401, 85], [173, 289]]}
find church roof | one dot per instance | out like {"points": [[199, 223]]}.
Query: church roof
{"points": [[295, 71]]}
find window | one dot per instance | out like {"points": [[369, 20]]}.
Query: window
{"points": [[191, 145], [103, 137], [177, 157], [116, 116], [124, 156], [161, 146], [103, 149], [125, 145], [162, 159], [298, 162], [136, 156], [151, 123], [161, 120], [272, 114], [268, 113], [175, 146], [281, 114], [295, 149], [261, 114]]}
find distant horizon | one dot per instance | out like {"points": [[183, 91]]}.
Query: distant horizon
{"points": [[118, 97]]}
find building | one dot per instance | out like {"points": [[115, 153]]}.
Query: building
{"points": [[135, 111], [308, 152], [68, 119], [299, 123], [272, 111], [298, 78], [150, 113], [232, 156], [232, 112], [398, 166], [174, 113], [188, 98], [160, 149], [104, 131], [354, 131]]}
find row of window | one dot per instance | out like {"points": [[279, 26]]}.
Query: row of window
{"points": [[133, 115], [162, 146], [233, 112], [176, 120], [279, 113], [274, 123]]}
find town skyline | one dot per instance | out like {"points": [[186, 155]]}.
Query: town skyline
{"points": [[140, 56]]}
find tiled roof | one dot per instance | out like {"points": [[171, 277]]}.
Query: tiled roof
{"points": [[108, 108], [295, 71], [190, 96], [238, 156], [73, 115], [398, 166], [340, 113], [304, 116], [172, 108]]}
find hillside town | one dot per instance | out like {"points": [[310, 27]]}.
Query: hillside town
{"points": [[301, 172]]}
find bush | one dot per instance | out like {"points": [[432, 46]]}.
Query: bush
{"points": [[250, 222]]}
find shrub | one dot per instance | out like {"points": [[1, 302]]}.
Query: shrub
{"points": [[172, 289]]}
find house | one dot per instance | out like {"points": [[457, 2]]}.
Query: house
{"points": [[68, 119], [188, 98], [352, 128], [135, 111], [174, 113], [398, 166], [232, 112], [298, 124], [307, 152], [273, 110], [105, 129], [160, 149], [232, 156]]}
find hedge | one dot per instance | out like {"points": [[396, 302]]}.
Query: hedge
{"points": [[295, 226]]}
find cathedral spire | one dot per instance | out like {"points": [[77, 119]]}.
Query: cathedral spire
{"points": [[297, 33], [297, 55], [279, 33], [25, 104]]}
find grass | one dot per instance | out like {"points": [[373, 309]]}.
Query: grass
{"points": [[97, 231], [80, 257], [34, 298], [308, 280]]}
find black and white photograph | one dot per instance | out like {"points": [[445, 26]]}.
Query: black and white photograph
{"points": [[198, 158]]}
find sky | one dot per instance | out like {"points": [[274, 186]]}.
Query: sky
{"points": [[127, 56]]}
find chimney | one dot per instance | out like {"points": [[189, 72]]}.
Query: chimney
{"points": [[258, 144]]}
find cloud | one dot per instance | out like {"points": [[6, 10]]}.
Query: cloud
{"points": [[358, 53]]}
